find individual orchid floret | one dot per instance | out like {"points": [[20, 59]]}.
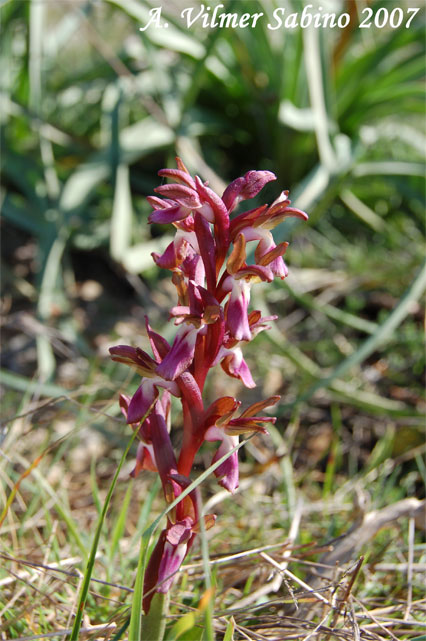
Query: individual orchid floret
{"points": [[267, 253], [180, 355], [180, 202], [239, 278], [163, 451], [175, 549], [144, 398], [230, 355], [202, 309], [147, 392], [145, 458], [136, 358], [233, 363], [168, 555], [246, 187], [266, 217], [183, 198], [174, 254], [221, 222], [222, 426]]}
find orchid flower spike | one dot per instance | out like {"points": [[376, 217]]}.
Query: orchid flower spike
{"points": [[210, 269]]}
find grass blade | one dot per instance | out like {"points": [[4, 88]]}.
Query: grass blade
{"points": [[136, 612], [360, 209], [380, 336], [91, 561], [229, 634], [336, 314], [383, 333], [389, 168], [36, 51], [23, 384], [208, 598], [120, 524], [317, 97]]}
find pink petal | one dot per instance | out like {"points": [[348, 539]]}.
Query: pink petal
{"points": [[279, 268], [173, 256], [227, 473], [173, 556], [236, 311], [234, 365], [144, 460], [133, 356], [246, 187], [163, 451], [221, 220], [159, 345], [151, 574], [178, 175], [207, 249], [181, 194], [159, 203], [141, 401], [195, 301], [259, 324], [254, 182], [169, 215], [124, 401], [163, 406], [181, 354], [255, 271], [180, 310], [247, 219], [193, 268], [232, 192]]}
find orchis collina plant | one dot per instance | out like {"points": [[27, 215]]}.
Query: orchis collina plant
{"points": [[207, 259]]}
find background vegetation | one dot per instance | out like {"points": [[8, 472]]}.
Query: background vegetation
{"points": [[91, 108]]}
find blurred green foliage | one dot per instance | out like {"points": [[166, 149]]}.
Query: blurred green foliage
{"points": [[92, 108]]}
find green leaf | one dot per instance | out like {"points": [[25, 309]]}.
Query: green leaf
{"points": [[382, 450], [25, 173], [184, 624], [22, 384], [171, 38], [36, 30], [15, 210], [135, 141], [121, 219], [229, 633]]}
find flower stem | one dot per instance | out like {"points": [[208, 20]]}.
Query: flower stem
{"points": [[154, 623], [189, 444]]}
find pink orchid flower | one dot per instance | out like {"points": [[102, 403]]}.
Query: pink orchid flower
{"points": [[222, 426]]}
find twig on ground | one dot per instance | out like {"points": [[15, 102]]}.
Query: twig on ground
{"points": [[411, 531], [277, 579]]}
